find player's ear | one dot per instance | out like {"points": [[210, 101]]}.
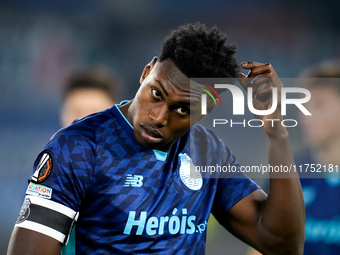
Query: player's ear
{"points": [[147, 69]]}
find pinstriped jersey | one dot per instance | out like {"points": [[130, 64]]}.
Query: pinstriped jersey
{"points": [[124, 198]]}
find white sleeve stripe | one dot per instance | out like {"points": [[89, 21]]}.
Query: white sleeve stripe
{"points": [[42, 229], [52, 205]]}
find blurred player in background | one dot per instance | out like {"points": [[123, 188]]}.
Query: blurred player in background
{"points": [[322, 134], [85, 92], [88, 91], [122, 176]]}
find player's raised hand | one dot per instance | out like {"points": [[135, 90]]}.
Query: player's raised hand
{"points": [[263, 78]]}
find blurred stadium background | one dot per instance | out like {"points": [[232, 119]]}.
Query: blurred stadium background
{"points": [[41, 42]]}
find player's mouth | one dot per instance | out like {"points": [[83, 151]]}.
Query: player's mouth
{"points": [[149, 134]]}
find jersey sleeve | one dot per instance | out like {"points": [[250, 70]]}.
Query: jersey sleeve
{"points": [[61, 177], [218, 162], [229, 192], [232, 186]]}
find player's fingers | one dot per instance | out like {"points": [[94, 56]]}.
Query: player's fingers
{"points": [[254, 68], [264, 79], [264, 93], [256, 83], [241, 77], [250, 64], [258, 69], [274, 81], [261, 70]]}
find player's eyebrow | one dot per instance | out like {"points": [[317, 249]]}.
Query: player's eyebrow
{"points": [[184, 103], [162, 87]]}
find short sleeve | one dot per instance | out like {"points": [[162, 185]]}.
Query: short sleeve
{"points": [[214, 158], [232, 187], [61, 178], [230, 191]]}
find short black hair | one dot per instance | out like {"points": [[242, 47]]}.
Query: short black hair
{"points": [[98, 77], [199, 52]]}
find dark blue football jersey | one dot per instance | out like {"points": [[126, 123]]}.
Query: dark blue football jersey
{"points": [[321, 196], [127, 199]]}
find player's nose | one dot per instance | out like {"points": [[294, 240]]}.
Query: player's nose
{"points": [[159, 115]]}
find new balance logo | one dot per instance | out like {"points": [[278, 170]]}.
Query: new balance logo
{"points": [[134, 180]]}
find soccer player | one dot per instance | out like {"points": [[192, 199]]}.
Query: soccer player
{"points": [[87, 92], [322, 133], [122, 177]]}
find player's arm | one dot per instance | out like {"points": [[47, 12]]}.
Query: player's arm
{"points": [[273, 224], [43, 225], [26, 241], [51, 205]]}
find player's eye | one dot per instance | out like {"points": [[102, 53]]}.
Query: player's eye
{"points": [[183, 111], [156, 94]]}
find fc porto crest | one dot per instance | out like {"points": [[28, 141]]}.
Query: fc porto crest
{"points": [[189, 176], [44, 168], [24, 211]]}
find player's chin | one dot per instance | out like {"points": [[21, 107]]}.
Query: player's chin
{"points": [[149, 143]]}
